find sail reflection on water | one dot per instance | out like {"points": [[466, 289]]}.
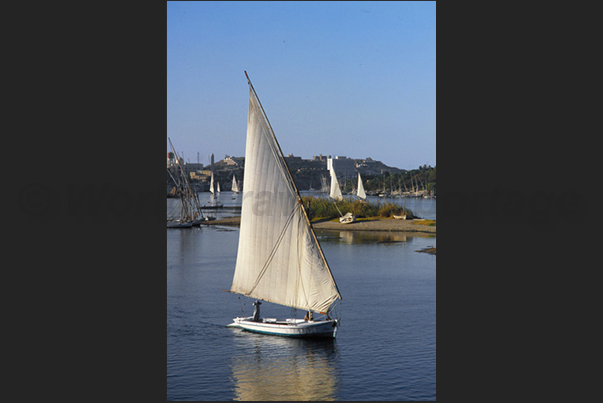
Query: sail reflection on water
{"points": [[359, 237], [279, 368], [364, 237]]}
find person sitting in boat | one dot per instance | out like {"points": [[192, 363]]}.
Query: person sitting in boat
{"points": [[256, 311], [308, 316]]}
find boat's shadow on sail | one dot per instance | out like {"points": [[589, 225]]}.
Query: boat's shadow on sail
{"points": [[280, 368]]}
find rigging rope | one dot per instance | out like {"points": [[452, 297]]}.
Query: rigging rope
{"points": [[274, 249], [242, 310]]}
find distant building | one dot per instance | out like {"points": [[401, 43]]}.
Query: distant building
{"points": [[344, 166], [229, 161], [307, 173], [291, 158]]}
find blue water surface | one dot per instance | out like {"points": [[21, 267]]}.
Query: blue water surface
{"points": [[385, 348]]}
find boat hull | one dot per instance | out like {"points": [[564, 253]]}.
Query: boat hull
{"points": [[178, 224], [289, 327], [214, 206], [347, 219]]}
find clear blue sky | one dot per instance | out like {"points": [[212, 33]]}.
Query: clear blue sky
{"points": [[335, 78]]}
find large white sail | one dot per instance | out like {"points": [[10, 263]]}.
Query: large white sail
{"points": [[279, 259], [360, 193], [335, 190]]}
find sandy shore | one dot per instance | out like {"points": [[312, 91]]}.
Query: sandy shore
{"points": [[387, 224]]}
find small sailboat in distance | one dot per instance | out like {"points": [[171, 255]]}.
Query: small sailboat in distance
{"points": [[360, 192], [213, 203], [335, 193], [279, 259], [235, 185], [337, 196]]}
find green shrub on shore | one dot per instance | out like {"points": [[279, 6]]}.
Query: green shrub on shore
{"points": [[324, 208]]}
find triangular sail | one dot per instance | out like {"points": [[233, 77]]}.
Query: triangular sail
{"points": [[279, 259], [335, 190], [235, 185], [211, 184], [360, 192]]}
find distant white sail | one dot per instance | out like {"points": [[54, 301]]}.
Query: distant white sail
{"points": [[324, 187], [211, 184], [218, 190], [235, 185], [279, 259], [335, 190], [360, 192]]}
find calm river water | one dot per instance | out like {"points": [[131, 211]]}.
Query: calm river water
{"points": [[385, 348]]}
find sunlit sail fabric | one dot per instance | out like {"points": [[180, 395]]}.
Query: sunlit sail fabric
{"points": [[279, 259], [335, 190], [360, 192]]}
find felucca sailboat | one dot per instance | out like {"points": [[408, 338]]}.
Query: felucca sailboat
{"points": [[337, 196], [279, 259], [360, 193], [213, 202], [235, 185], [235, 188]]}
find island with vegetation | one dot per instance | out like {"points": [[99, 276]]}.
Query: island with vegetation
{"points": [[370, 216], [321, 209]]}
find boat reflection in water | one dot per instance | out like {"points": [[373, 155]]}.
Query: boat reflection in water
{"points": [[282, 368], [365, 237]]}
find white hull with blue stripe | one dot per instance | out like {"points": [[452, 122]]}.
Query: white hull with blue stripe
{"points": [[289, 327]]}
